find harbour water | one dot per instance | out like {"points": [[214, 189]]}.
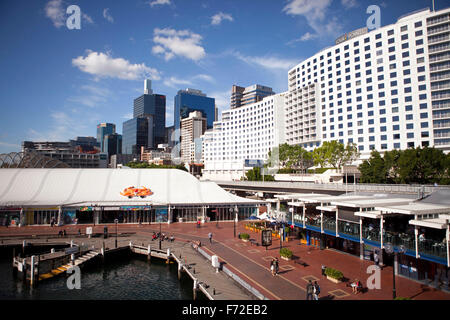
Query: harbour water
{"points": [[121, 279]]}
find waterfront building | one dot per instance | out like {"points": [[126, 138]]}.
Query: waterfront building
{"points": [[189, 100], [104, 129], [119, 160], [241, 96], [243, 135], [136, 134], [192, 128], [364, 225], [103, 195], [385, 89]]}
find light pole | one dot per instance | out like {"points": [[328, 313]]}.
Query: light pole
{"points": [[160, 235], [390, 250], [116, 221]]}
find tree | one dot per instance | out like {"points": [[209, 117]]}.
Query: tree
{"points": [[255, 175], [373, 170]]}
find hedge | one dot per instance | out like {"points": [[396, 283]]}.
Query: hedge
{"points": [[284, 252], [333, 273], [245, 236]]}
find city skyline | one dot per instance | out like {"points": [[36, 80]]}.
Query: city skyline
{"points": [[93, 75]]}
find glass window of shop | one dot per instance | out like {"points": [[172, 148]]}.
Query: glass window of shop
{"points": [[45, 216], [9, 218]]}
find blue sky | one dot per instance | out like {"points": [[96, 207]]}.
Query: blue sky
{"points": [[58, 83]]}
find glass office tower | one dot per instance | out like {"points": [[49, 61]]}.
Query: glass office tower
{"points": [[135, 135], [190, 100], [104, 129]]}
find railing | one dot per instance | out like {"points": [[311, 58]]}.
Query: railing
{"points": [[314, 222], [400, 239], [329, 224], [371, 234], [433, 248], [387, 188], [348, 228]]}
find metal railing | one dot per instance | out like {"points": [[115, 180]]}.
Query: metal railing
{"points": [[377, 188]]}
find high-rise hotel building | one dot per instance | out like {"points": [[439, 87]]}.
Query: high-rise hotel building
{"points": [[243, 135], [385, 89]]}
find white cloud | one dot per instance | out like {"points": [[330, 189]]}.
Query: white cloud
{"points": [[267, 62], [159, 2], [174, 82], [316, 14], [107, 15], [306, 37], [127, 116], [183, 43], [349, 3], [91, 96], [222, 99], [54, 10], [103, 65], [217, 18]]}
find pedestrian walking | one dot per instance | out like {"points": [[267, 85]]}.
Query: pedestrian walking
{"points": [[210, 237], [309, 291], [323, 270], [277, 265], [316, 290], [376, 258], [272, 267]]}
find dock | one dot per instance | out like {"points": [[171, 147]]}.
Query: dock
{"points": [[191, 262]]}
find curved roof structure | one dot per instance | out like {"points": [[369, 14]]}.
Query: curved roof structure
{"points": [[103, 187], [29, 160]]}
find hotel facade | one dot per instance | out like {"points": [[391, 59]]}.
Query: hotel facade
{"points": [[385, 89]]}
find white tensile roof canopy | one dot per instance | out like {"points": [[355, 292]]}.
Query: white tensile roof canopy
{"points": [[102, 187]]}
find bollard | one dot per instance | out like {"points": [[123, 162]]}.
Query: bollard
{"points": [[71, 243], [33, 258], [52, 250], [180, 269], [72, 258], [195, 288], [168, 255], [214, 291], [149, 253], [24, 244]]}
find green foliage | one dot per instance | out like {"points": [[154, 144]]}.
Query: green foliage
{"points": [[145, 165], [255, 175], [318, 170], [412, 166], [402, 298], [245, 236], [284, 252], [333, 273]]}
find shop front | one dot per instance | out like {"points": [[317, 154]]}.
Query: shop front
{"points": [[10, 217]]}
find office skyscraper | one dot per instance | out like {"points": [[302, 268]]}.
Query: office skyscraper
{"points": [[147, 128], [102, 130], [190, 100]]}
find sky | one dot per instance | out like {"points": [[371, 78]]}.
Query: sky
{"points": [[59, 83]]}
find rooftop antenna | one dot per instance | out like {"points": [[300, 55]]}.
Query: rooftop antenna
{"points": [[433, 6]]}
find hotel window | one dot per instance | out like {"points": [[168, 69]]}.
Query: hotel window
{"points": [[419, 33], [404, 28], [396, 127], [424, 125], [410, 135]]}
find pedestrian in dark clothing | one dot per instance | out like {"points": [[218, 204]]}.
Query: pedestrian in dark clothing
{"points": [[276, 266], [309, 291], [316, 290], [323, 270]]}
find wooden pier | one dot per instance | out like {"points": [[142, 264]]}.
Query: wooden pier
{"points": [[214, 284]]}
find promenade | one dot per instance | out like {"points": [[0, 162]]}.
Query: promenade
{"points": [[251, 262]]}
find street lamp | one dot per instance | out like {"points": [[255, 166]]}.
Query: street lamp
{"points": [[235, 219], [116, 221], [160, 235], [390, 250]]}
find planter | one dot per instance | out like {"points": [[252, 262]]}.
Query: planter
{"points": [[286, 258], [245, 240], [334, 280]]}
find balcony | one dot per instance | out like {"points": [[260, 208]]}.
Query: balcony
{"points": [[348, 228], [329, 224], [371, 234], [313, 222], [438, 20], [433, 31], [433, 248], [400, 239]]}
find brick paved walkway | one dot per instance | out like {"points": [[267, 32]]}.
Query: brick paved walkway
{"points": [[252, 262]]}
